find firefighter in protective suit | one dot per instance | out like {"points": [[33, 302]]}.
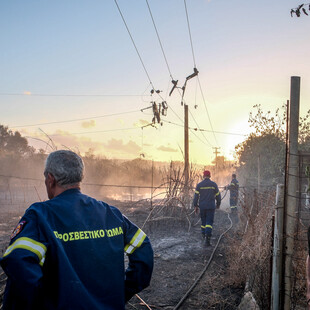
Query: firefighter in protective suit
{"points": [[233, 188], [68, 252], [206, 194]]}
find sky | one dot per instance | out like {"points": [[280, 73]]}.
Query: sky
{"points": [[79, 74]]}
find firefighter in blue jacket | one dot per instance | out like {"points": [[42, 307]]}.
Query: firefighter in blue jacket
{"points": [[206, 194], [68, 252], [233, 188]]}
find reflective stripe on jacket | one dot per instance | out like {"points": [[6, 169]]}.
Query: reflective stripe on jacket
{"points": [[206, 193]]}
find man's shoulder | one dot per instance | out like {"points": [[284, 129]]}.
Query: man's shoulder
{"points": [[201, 183], [213, 183]]}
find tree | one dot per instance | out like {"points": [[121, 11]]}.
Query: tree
{"points": [[266, 146], [265, 152], [12, 143], [264, 149]]}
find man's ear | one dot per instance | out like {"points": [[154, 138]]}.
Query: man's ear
{"points": [[51, 180]]}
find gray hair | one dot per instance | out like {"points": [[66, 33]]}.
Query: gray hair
{"points": [[66, 166]]}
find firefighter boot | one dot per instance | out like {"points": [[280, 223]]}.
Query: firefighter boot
{"points": [[208, 238]]}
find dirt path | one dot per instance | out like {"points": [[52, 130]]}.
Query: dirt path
{"points": [[180, 257]]}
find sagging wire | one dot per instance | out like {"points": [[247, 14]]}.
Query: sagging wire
{"points": [[134, 44], [200, 128], [189, 31], [194, 61], [161, 46], [75, 120], [164, 55], [205, 105], [161, 107]]}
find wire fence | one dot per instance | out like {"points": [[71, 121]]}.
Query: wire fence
{"points": [[251, 246]]}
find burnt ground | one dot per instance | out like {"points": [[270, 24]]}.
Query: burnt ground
{"points": [[180, 258]]}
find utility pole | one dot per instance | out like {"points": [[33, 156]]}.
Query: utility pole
{"points": [[186, 148], [216, 152], [291, 191], [258, 174], [277, 250]]}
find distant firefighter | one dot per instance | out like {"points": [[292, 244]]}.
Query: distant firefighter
{"points": [[233, 188], [206, 194], [68, 252]]}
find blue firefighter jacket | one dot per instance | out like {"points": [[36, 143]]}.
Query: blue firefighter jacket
{"points": [[234, 188], [68, 253], [205, 195]]}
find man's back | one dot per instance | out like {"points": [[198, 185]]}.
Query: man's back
{"points": [[83, 265], [206, 192], [234, 187]]}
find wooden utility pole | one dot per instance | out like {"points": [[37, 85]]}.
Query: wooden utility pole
{"points": [[186, 148], [258, 174], [291, 190], [216, 152], [277, 250]]}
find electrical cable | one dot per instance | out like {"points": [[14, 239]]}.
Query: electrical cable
{"points": [[84, 183], [196, 129], [134, 44], [76, 120], [205, 105], [67, 95], [143, 65], [199, 128], [161, 46], [190, 35], [194, 60]]}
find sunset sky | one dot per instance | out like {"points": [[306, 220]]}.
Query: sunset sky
{"points": [[72, 73]]}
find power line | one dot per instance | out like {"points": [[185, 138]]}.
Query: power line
{"points": [[134, 44], [77, 119], [98, 131], [161, 46], [205, 105], [198, 129], [163, 52], [190, 35], [68, 95], [194, 60], [143, 65], [84, 183]]}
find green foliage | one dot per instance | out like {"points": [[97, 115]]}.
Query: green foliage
{"points": [[12, 143], [266, 124], [266, 146], [304, 132], [263, 152]]}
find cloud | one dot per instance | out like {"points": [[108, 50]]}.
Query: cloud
{"points": [[64, 140], [27, 92], [89, 124], [166, 149], [130, 147]]}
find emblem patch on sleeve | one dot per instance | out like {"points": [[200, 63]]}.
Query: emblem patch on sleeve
{"points": [[18, 229]]}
